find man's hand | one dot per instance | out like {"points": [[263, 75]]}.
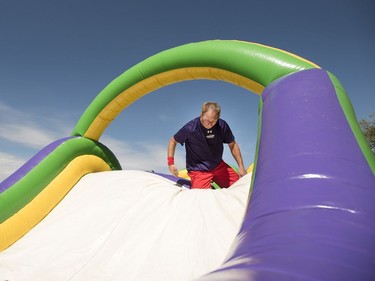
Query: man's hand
{"points": [[242, 171], [173, 170], [236, 152]]}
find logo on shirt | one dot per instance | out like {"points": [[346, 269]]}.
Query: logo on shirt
{"points": [[209, 134]]}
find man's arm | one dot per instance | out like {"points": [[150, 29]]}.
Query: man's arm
{"points": [[171, 150], [236, 152]]}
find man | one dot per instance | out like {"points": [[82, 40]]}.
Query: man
{"points": [[204, 137]]}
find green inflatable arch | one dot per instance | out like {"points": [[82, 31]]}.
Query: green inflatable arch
{"points": [[248, 65]]}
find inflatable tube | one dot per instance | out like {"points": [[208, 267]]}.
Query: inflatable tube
{"points": [[37, 187], [310, 213], [216, 60]]}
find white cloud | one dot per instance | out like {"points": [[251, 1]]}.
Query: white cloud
{"points": [[22, 131], [23, 128], [7, 112], [9, 164], [142, 155], [26, 134]]}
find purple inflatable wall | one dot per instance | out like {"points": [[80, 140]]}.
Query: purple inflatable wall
{"points": [[311, 214]]}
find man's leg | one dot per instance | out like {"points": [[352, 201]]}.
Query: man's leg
{"points": [[225, 175], [200, 179]]}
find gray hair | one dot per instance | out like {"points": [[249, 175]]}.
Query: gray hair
{"points": [[209, 105]]}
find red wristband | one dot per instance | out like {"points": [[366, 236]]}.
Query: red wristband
{"points": [[170, 161]]}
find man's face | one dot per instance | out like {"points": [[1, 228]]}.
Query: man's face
{"points": [[209, 119]]}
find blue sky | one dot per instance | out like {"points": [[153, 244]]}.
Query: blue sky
{"points": [[56, 56]]}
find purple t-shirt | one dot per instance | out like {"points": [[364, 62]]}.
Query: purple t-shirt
{"points": [[204, 147]]}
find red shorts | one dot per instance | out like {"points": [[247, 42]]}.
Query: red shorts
{"points": [[223, 175]]}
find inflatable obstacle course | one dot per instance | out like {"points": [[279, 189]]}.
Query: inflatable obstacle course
{"points": [[310, 213]]}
